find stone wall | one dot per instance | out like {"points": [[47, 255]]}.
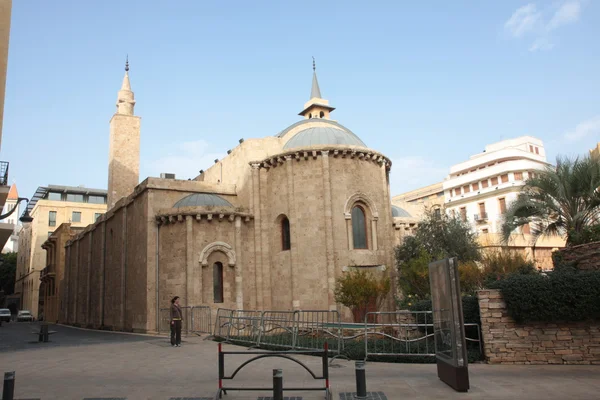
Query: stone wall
{"points": [[585, 256], [506, 342]]}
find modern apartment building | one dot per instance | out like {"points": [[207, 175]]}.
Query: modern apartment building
{"points": [[480, 189], [50, 207], [12, 245]]}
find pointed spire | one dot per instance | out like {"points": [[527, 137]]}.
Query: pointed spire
{"points": [[126, 84], [315, 91], [125, 98]]}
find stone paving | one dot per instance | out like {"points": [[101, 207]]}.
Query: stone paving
{"points": [[81, 364]]}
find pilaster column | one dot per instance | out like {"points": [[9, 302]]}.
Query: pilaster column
{"points": [[102, 272], [239, 252], [329, 259], [124, 268], [189, 252], [265, 230], [89, 280], [258, 281], [293, 232], [374, 232], [76, 281], [67, 284]]}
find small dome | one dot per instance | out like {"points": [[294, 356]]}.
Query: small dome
{"points": [[202, 200], [323, 135], [398, 212]]}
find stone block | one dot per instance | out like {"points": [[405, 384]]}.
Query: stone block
{"points": [[563, 352], [497, 305], [572, 357]]}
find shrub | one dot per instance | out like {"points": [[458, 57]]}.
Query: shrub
{"points": [[563, 295], [414, 275], [471, 277], [588, 234], [361, 292], [499, 264], [470, 308]]}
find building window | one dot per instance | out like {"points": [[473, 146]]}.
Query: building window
{"points": [[218, 282], [502, 205], [467, 189], [482, 210], [52, 218], [518, 176], [96, 216], [484, 230], [537, 150], [504, 178], [49, 234], [437, 212], [484, 184], [359, 228], [457, 192], [96, 199], [54, 196], [321, 114], [285, 234], [475, 186], [77, 198], [530, 148], [494, 180], [76, 216], [463, 214]]}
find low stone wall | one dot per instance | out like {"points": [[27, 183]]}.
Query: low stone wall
{"points": [[585, 256], [506, 342]]}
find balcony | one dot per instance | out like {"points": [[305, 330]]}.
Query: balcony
{"points": [[482, 217], [3, 173]]}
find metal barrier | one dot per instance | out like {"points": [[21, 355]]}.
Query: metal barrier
{"points": [[278, 329], [410, 335], [244, 327], [315, 327], [277, 387], [201, 320]]}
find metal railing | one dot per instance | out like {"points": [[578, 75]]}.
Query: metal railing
{"points": [[481, 217], [3, 173], [196, 320], [396, 333], [292, 330]]}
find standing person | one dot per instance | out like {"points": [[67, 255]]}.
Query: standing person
{"points": [[176, 318]]}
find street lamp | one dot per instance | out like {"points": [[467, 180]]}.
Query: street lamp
{"points": [[26, 218]]}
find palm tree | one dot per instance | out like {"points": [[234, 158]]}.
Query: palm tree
{"points": [[558, 201]]}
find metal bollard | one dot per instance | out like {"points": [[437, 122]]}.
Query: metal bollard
{"points": [[8, 390], [277, 384], [361, 380]]}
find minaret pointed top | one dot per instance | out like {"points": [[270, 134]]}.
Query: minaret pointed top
{"points": [[315, 91], [126, 84]]}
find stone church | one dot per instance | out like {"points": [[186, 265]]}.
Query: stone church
{"points": [[268, 227]]}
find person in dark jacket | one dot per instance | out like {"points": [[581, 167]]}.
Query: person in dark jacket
{"points": [[176, 318]]}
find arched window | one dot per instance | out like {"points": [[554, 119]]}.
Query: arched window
{"points": [[322, 114], [285, 234], [359, 228], [218, 282]]}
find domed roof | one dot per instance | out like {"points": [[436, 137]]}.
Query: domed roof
{"points": [[323, 135], [398, 212], [202, 200]]}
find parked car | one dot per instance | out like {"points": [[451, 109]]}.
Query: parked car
{"points": [[24, 316], [5, 315]]}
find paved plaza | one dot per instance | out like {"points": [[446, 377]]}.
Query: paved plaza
{"points": [[79, 364]]}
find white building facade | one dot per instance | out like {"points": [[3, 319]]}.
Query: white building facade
{"points": [[12, 244], [481, 189]]}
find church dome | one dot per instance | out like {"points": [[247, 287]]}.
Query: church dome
{"points": [[398, 212], [202, 200], [329, 133]]}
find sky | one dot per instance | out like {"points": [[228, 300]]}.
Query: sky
{"points": [[428, 84]]}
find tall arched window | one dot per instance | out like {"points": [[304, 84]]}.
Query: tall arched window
{"points": [[359, 228], [218, 282], [285, 234]]}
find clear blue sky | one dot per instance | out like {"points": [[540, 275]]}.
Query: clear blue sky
{"points": [[426, 83]]}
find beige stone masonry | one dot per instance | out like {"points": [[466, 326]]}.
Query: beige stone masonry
{"points": [[506, 342]]}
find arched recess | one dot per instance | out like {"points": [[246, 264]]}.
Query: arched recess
{"points": [[217, 246], [360, 198], [371, 214]]}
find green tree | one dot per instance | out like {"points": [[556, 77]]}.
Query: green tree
{"points": [[8, 272], [564, 200], [361, 292], [437, 236]]}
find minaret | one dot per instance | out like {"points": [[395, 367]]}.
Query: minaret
{"points": [[316, 107], [124, 148]]}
